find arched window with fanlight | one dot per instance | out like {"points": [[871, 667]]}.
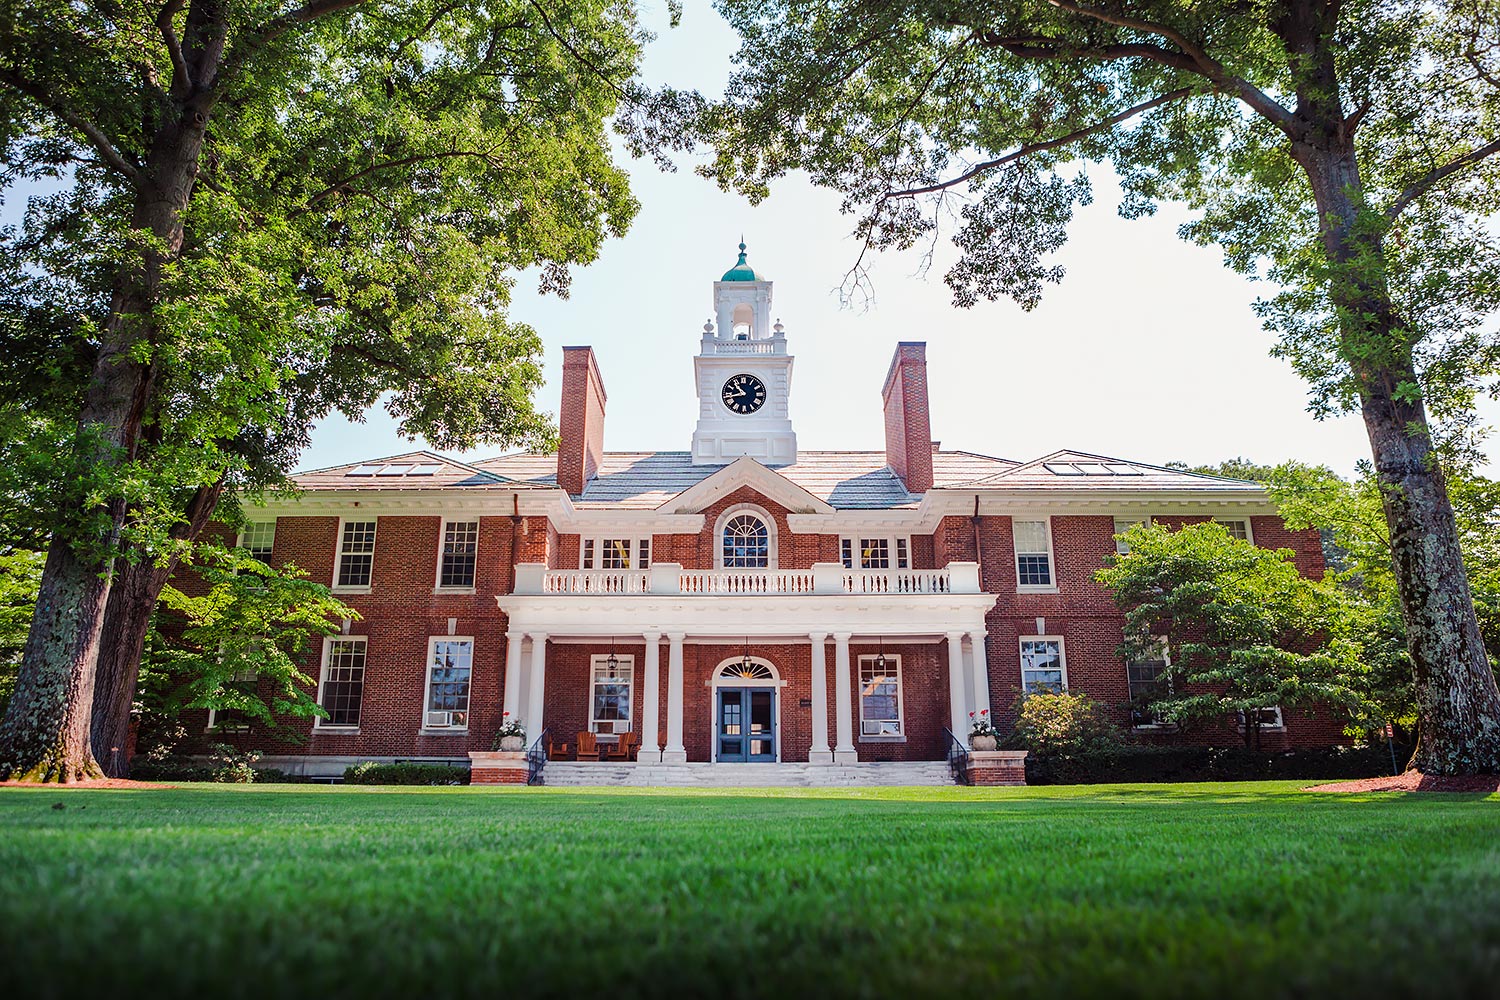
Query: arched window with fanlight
{"points": [[745, 542]]}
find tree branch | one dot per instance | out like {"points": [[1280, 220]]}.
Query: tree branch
{"points": [[1057, 48], [257, 39], [1422, 184], [405, 161], [92, 132], [1037, 147], [552, 30], [182, 79], [1205, 64]]}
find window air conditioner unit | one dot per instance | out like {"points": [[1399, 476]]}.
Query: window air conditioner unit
{"points": [[445, 720]]}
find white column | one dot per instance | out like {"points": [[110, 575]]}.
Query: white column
{"points": [[675, 753], [960, 714], [651, 702], [512, 704], [820, 754], [979, 663], [538, 687], [843, 751]]}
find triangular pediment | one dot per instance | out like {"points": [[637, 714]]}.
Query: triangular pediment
{"points": [[410, 470], [1078, 470], [740, 473]]}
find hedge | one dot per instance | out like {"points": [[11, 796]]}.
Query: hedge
{"points": [[371, 773], [1132, 764]]}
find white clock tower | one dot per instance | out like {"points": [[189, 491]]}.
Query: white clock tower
{"points": [[744, 376]]}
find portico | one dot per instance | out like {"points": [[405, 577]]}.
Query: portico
{"points": [[759, 616]]}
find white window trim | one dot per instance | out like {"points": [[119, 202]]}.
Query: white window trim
{"points": [[771, 540], [319, 723], [1062, 655], [1129, 522], [856, 551], [900, 737], [1166, 657], [338, 556], [432, 642], [627, 662], [437, 577], [633, 543], [1278, 727], [1249, 528], [239, 539], [1015, 558]]}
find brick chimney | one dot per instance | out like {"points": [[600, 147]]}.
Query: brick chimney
{"points": [[908, 430], [580, 420]]}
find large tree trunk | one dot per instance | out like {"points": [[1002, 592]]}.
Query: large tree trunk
{"points": [[45, 733], [132, 601], [1458, 702]]}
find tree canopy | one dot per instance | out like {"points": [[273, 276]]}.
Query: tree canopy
{"points": [[1345, 151], [1238, 631], [266, 212]]}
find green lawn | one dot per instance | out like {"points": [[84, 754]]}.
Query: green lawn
{"points": [[1150, 891]]}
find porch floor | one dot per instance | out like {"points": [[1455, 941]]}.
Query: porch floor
{"points": [[787, 775]]}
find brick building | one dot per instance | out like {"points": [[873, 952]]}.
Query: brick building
{"points": [[742, 601]]}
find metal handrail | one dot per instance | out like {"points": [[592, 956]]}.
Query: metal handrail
{"points": [[958, 758], [536, 759]]}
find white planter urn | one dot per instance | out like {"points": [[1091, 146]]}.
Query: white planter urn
{"points": [[982, 742], [511, 744]]}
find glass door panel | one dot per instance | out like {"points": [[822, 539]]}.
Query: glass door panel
{"points": [[762, 712]]}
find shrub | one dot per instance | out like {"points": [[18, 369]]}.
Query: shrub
{"points": [[1131, 764], [371, 773], [1063, 722]]}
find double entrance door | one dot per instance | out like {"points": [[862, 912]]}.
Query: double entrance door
{"points": [[746, 724]]}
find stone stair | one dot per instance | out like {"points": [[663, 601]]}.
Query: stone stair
{"points": [[790, 775]]}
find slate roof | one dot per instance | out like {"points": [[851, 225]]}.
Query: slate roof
{"points": [[846, 480], [1078, 470]]}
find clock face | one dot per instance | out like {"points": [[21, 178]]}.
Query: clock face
{"points": [[744, 393]]}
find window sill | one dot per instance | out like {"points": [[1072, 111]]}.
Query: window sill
{"points": [[337, 730], [882, 739], [1033, 589], [350, 590], [1266, 729], [455, 590], [442, 732]]}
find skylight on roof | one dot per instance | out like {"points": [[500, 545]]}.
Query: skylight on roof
{"points": [[393, 470], [363, 470], [1091, 469], [424, 469]]}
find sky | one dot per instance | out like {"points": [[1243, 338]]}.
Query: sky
{"points": [[1148, 350]]}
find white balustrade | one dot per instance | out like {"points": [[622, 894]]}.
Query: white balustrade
{"points": [[825, 578], [595, 581], [897, 581], [726, 347], [786, 581]]}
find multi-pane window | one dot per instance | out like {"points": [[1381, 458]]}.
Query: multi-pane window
{"points": [[1042, 666], [880, 695], [1122, 525], [609, 701], [746, 543], [1270, 718], [460, 553], [875, 553], [450, 663], [615, 553], [343, 682], [258, 538], [1237, 527], [232, 720], [1033, 554], [1148, 682], [356, 554]]}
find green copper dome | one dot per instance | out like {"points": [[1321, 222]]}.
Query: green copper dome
{"points": [[742, 271]]}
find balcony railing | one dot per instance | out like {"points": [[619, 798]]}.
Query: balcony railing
{"points": [[672, 579], [771, 345]]}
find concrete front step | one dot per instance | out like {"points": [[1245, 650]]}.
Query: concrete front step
{"points": [[791, 775]]}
